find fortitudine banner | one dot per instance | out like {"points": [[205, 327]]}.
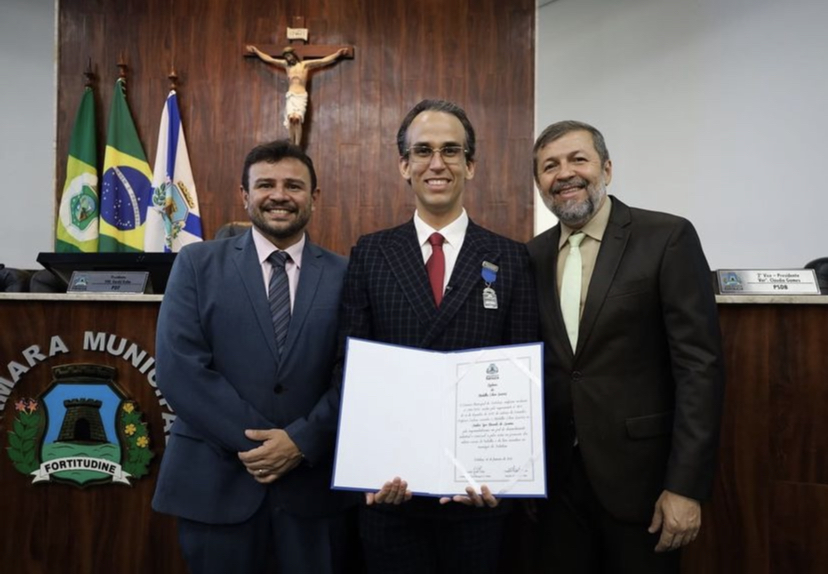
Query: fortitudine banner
{"points": [[81, 463]]}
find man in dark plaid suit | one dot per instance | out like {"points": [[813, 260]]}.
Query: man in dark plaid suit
{"points": [[486, 298]]}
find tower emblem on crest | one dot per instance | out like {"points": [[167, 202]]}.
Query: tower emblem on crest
{"points": [[82, 430]]}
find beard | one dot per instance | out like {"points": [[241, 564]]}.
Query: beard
{"points": [[576, 212]]}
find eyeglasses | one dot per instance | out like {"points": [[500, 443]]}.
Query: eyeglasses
{"points": [[450, 154]]}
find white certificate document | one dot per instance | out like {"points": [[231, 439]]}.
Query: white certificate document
{"points": [[442, 421]]}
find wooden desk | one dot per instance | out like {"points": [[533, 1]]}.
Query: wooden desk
{"points": [[769, 510], [768, 515], [50, 527]]}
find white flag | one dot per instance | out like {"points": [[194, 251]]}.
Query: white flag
{"points": [[173, 219]]}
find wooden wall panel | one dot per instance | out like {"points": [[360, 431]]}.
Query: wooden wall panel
{"points": [[479, 54]]}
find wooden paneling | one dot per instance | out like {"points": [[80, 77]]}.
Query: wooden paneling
{"points": [[799, 514], [799, 395], [768, 510], [478, 54]]}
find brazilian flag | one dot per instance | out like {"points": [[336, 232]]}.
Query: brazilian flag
{"points": [[77, 223], [127, 181]]}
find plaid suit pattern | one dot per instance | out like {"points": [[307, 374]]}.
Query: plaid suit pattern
{"points": [[388, 298]]}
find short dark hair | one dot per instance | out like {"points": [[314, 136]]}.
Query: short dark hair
{"points": [[560, 129], [437, 106], [275, 152]]}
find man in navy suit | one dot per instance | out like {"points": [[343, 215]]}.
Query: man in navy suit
{"points": [[634, 380], [391, 297], [248, 464]]}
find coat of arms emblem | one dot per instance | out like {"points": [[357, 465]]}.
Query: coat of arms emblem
{"points": [[82, 430]]}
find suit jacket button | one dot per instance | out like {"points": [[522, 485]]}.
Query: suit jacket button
{"points": [[576, 376], [279, 389]]}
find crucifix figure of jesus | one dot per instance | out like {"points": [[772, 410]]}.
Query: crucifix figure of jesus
{"points": [[296, 98]]}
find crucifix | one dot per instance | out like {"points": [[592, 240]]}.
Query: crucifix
{"points": [[297, 60]]}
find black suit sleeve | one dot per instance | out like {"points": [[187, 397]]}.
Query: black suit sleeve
{"points": [[694, 339]]}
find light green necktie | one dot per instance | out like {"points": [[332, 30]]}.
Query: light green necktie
{"points": [[571, 288]]}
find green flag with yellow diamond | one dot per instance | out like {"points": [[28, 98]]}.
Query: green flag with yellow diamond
{"points": [[77, 223]]}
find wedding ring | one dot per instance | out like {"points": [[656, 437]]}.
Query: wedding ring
{"points": [[261, 471]]}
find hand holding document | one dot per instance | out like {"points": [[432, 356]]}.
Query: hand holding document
{"points": [[442, 421]]}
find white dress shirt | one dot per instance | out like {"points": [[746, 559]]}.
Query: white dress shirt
{"points": [[454, 233], [292, 267]]}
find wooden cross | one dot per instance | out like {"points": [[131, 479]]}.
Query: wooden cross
{"points": [[300, 46]]}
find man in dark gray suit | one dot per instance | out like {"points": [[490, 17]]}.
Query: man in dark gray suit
{"points": [[482, 296], [247, 468], [633, 367]]}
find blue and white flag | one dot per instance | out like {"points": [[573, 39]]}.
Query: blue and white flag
{"points": [[173, 219]]}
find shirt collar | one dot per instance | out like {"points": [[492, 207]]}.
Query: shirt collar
{"points": [[264, 248], [454, 232], [594, 228]]}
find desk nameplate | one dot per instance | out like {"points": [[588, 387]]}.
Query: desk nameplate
{"points": [[767, 282], [108, 282]]}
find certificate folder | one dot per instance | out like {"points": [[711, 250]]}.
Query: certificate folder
{"points": [[442, 421]]}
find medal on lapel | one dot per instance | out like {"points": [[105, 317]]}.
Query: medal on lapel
{"points": [[489, 274]]}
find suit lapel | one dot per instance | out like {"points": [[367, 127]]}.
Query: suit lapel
{"points": [[549, 300], [250, 271], [465, 276], [405, 259], [606, 265], [309, 278]]}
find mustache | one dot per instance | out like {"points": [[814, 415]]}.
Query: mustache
{"points": [[574, 182], [271, 204]]}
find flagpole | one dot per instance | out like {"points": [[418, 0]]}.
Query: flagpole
{"points": [[89, 74], [122, 67], [173, 77]]}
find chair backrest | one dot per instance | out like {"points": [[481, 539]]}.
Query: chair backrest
{"points": [[44, 281], [232, 229], [14, 280], [821, 267]]}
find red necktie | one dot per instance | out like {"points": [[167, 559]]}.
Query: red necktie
{"points": [[436, 266]]}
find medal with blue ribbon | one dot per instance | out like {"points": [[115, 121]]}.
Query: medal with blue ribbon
{"points": [[489, 274]]}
